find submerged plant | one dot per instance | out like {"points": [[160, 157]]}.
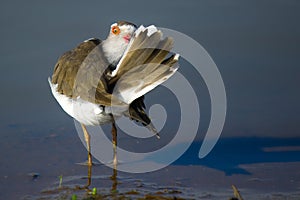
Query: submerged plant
{"points": [[60, 181], [74, 197], [94, 191]]}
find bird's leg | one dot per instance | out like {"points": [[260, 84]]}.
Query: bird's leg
{"points": [[115, 160], [114, 180], [88, 144], [89, 161], [114, 141], [89, 177]]}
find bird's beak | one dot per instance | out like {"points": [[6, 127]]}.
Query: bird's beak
{"points": [[127, 38]]}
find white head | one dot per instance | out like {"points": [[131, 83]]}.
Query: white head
{"points": [[118, 39]]}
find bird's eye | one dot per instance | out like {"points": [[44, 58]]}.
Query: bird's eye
{"points": [[115, 30]]}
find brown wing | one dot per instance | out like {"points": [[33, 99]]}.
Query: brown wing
{"points": [[79, 73]]}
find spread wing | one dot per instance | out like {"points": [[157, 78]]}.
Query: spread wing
{"points": [[144, 65]]}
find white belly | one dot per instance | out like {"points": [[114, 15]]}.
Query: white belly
{"points": [[83, 111]]}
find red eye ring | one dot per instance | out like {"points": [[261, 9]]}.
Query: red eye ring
{"points": [[115, 30]]}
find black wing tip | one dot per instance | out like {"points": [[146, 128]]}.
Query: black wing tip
{"points": [[96, 41], [152, 129]]}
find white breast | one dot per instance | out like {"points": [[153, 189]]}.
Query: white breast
{"points": [[113, 49]]}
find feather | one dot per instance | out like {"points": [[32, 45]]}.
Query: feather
{"points": [[143, 66]]}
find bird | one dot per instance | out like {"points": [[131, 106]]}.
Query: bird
{"points": [[99, 81]]}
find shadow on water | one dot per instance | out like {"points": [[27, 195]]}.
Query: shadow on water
{"points": [[230, 153]]}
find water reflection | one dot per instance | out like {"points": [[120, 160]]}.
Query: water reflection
{"points": [[114, 185], [142, 190]]}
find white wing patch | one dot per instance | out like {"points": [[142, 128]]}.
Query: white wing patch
{"points": [[151, 29]]}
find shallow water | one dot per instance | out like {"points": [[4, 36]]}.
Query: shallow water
{"points": [[255, 46], [257, 174]]}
